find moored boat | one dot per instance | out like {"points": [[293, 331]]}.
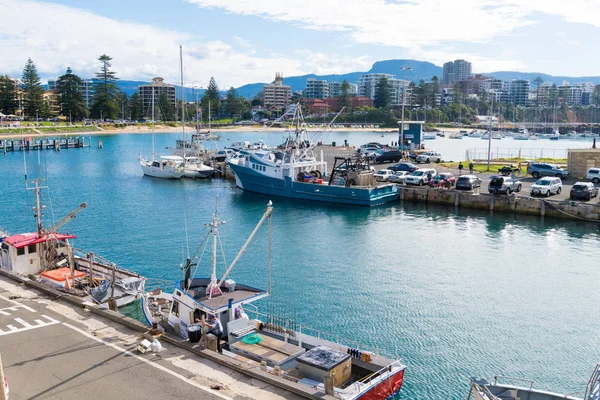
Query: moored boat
{"points": [[335, 367]]}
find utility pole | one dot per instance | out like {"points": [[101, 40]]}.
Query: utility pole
{"points": [[490, 135], [403, 101]]}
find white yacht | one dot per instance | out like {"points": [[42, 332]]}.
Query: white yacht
{"points": [[195, 168], [166, 167]]}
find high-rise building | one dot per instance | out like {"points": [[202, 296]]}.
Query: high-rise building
{"points": [[158, 86], [519, 92], [276, 95], [335, 89], [367, 85], [86, 87], [457, 70], [316, 89]]}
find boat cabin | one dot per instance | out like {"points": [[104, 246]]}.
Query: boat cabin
{"points": [[21, 253], [173, 162]]}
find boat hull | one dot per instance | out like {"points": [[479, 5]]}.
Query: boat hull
{"points": [[156, 172], [252, 181], [386, 389]]}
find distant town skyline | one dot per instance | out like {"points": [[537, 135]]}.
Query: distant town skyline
{"points": [[241, 41]]}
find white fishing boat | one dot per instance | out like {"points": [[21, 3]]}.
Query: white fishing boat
{"points": [[249, 334], [194, 167], [429, 135], [533, 136], [482, 389], [49, 257], [474, 134], [166, 167], [496, 136], [522, 134], [455, 135]]}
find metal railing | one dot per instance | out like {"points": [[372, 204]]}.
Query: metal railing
{"points": [[525, 154]]}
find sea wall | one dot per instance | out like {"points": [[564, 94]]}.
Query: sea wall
{"points": [[501, 203]]}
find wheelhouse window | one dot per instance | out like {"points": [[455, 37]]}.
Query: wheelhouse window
{"points": [[175, 308], [31, 249], [20, 251]]}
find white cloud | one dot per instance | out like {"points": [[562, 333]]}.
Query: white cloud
{"points": [[56, 36]]}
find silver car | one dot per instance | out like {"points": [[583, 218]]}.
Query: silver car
{"points": [[504, 185], [398, 177]]}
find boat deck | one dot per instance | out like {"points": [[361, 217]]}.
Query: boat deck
{"points": [[271, 350]]}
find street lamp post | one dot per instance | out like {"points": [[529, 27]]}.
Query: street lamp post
{"points": [[403, 101], [36, 117]]}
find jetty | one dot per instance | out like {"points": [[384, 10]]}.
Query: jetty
{"points": [[77, 142]]}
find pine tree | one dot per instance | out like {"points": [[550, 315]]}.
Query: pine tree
{"points": [[166, 110], [8, 95], [105, 96], [32, 90], [344, 98], [383, 96], [135, 106], [232, 104], [211, 95], [72, 104]]}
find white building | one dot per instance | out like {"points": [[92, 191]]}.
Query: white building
{"points": [[316, 89], [335, 89], [368, 83]]}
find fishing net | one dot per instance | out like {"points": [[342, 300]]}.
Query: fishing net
{"points": [[252, 339]]}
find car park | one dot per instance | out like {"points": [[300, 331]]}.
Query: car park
{"points": [[504, 185], [583, 190], [420, 177], [407, 167], [467, 182], [429, 156], [593, 175], [398, 177], [383, 174], [443, 179], [546, 187], [537, 170]]}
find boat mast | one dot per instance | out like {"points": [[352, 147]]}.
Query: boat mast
{"points": [[213, 288], [182, 98], [153, 154]]}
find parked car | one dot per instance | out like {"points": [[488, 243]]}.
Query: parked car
{"points": [[373, 144], [504, 185], [398, 177], [407, 167], [583, 190], [383, 174], [538, 170], [467, 182], [429, 156], [420, 177], [593, 175], [546, 187], [443, 179], [382, 156], [221, 155], [368, 150]]}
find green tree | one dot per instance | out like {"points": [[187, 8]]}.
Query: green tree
{"points": [[344, 98], [258, 99], [383, 95], [165, 107], [68, 88], [232, 104], [105, 96], [8, 95], [537, 82], [123, 104], [436, 90], [136, 110], [596, 96], [32, 90], [212, 97]]}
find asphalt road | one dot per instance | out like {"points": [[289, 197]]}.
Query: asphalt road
{"points": [[46, 356]]}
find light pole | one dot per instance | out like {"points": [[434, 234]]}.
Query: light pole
{"points": [[490, 135], [403, 101], [36, 117]]}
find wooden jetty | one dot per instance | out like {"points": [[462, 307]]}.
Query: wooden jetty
{"points": [[76, 142]]}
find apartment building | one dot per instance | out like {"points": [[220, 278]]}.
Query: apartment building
{"points": [[316, 89], [367, 85], [335, 89], [158, 87], [519, 92], [455, 71], [86, 87], [276, 95]]}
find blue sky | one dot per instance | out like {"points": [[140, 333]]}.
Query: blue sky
{"points": [[244, 41]]}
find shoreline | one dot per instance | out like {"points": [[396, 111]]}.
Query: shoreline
{"points": [[168, 129]]}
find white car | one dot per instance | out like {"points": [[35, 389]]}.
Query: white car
{"points": [[593, 175], [383, 174], [546, 187], [420, 177], [398, 177], [429, 156]]}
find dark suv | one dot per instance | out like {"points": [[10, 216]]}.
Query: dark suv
{"points": [[538, 170], [387, 156]]}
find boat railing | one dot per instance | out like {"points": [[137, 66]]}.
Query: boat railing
{"points": [[593, 383], [306, 330], [483, 391], [367, 381], [498, 377]]}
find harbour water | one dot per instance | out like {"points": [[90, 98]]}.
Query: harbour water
{"points": [[454, 293]]}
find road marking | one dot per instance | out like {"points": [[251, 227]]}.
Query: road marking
{"points": [[27, 326], [17, 303], [142, 359]]}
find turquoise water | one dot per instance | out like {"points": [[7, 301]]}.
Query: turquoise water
{"points": [[453, 293]]}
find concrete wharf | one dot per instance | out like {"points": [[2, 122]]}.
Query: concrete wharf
{"points": [[76, 142]]}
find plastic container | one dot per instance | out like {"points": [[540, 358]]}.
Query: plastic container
{"points": [[194, 333]]}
